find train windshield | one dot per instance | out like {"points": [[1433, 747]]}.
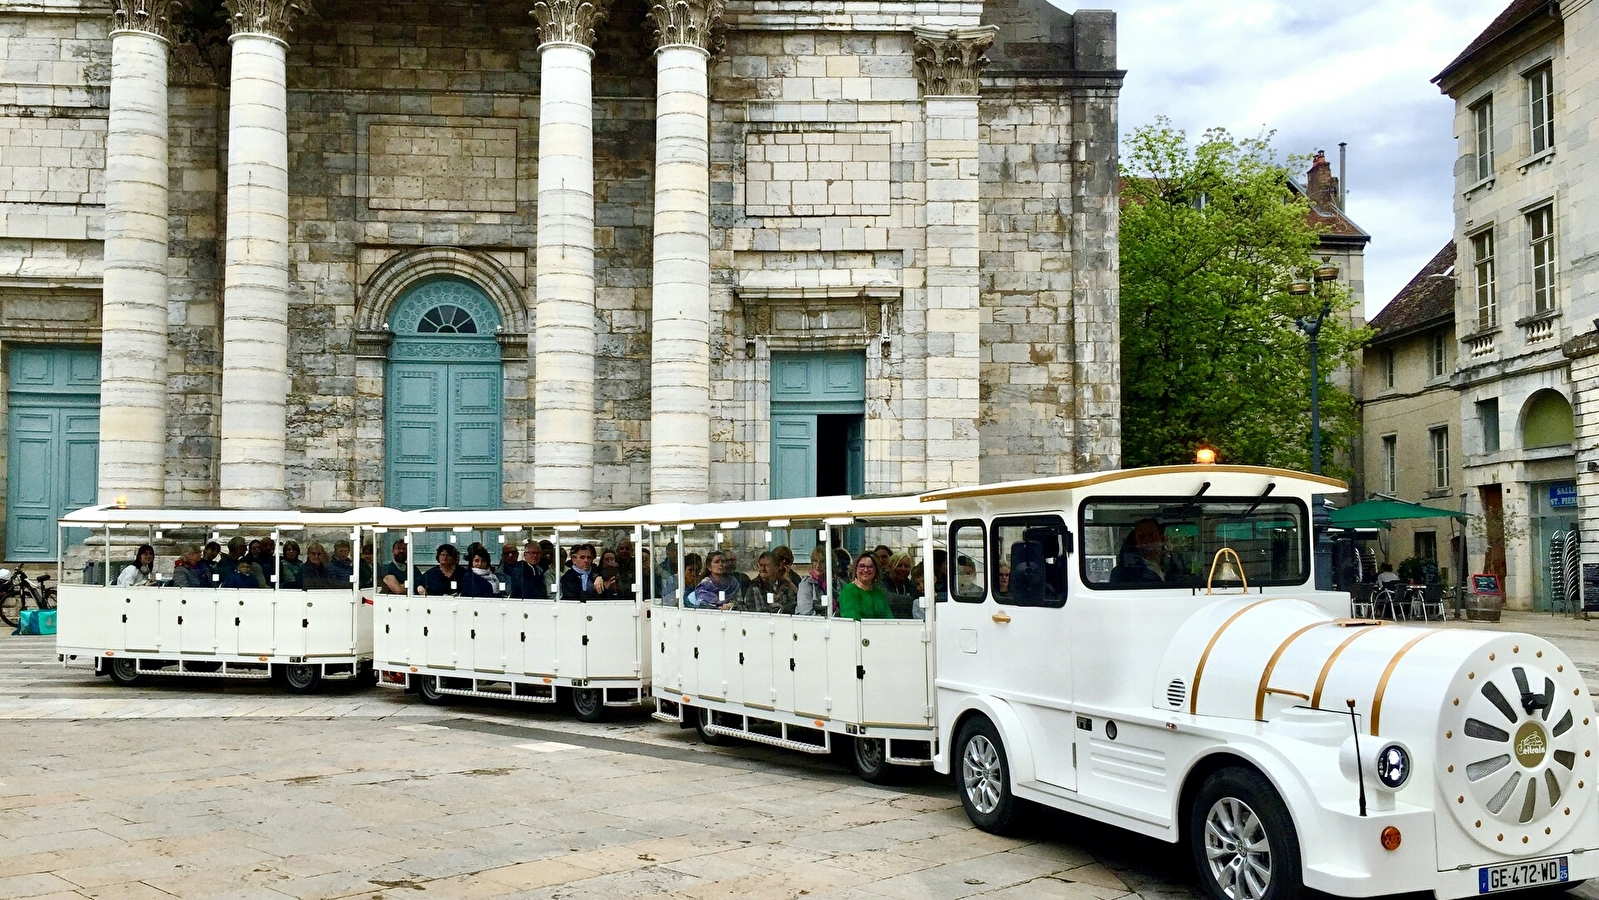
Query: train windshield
{"points": [[1165, 542]]}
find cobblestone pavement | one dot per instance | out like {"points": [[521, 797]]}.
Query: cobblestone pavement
{"points": [[197, 788]]}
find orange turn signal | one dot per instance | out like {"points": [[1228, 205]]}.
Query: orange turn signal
{"points": [[1390, 838]]}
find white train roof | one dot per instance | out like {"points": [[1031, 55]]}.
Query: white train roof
{"points": [[97, 517], [1154, 481]]}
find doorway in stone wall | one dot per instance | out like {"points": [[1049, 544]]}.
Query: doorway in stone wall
{"points": [[443, 393], [818, 424], [52, 446]]}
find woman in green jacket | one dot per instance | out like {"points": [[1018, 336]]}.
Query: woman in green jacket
{"points": [[864, 598]]}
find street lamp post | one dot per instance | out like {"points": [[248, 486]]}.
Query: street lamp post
{"points": [[1311, 326]]}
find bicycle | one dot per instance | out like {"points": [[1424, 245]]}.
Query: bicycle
{"points": [[16, 590]]}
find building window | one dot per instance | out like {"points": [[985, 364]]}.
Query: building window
{"points": [[1388, 368], [1390, 463], [1541, 107], [1439, 357], [1424, 545], [1541, 227], [1483, 117], [1482, 249], [1488, 421], [1439, 440]]}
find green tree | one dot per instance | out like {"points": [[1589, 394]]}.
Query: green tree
{"points": [[1211, 240]]}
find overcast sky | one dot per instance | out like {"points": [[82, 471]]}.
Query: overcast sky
{"points": [[1317, 73]]}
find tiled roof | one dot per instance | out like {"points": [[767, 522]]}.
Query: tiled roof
{"points": [[1428, 299], [1328, 217], [1513, 15]]}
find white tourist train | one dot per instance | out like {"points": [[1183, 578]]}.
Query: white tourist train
{"points": [[1144, 648]]}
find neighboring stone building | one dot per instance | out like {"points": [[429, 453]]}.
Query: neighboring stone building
{"points": [[1528, 237], [552, 253], [1410, 414]]}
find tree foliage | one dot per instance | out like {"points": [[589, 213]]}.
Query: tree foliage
{"points": [[1211, 239]]}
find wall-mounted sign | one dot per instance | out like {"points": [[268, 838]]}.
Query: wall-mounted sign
{"points": [[1563, 495]]}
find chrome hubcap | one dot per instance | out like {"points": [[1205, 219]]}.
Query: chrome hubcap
{"points": [[1238, 850], [982, 775]]}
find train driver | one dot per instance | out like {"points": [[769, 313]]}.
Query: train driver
{"points": [[1145, 559]]}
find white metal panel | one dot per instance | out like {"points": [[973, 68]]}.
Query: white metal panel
{"points": [[843, 646], [256, 617], [784, 664], [291, 615], [465, 613], [141, 623], [438, 631], [490, 621], [539, 649], [388, 629], [196, 619], [758, 671], [896, 687], [808, 648], [612, 627], [566, 624], [329, 619], [666, 653], [709, 648], [89, 617]]}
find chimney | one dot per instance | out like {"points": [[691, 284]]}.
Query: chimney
{"points": [[1320, 183]]}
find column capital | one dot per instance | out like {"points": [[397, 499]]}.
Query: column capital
{"points": [[950, 60], [149, 16], [273, 18], [569, 21], [686, 23]]}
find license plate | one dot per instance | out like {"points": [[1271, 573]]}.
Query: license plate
{"points": [[1515, 876]]}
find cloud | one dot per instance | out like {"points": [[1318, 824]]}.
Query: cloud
{"points": [[1356, 71]]}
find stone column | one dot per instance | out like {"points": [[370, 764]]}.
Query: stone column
{"points": [[680, 305], [563, 339], [133, 343], [948, 63], [255, 277]]}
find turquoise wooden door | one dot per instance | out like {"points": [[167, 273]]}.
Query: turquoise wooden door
{"points": [[53, 443], [818, 415], [444, 398]]}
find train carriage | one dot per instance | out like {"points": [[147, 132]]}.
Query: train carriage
{"points": [[1166, 665], [592, 653], [298, 637], [803, 679]]}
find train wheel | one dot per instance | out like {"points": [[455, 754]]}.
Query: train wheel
{"points": [[702, 719], [428, 687], [588, 704], [869, 758], [983, 778], [124, 672], [1243, 840], [302, 679]]}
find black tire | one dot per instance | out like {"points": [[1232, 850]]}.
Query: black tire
{"points": [[701, 719], [48, 599], [11, 609], [301, 678], [124, 671], [869, 758], [1238, 809], [428, 687], [982, 777], [588, 704]]}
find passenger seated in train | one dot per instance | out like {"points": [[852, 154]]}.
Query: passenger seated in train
{"points": [[897, 577], [966, 577], [341, 564], [394, 571], [525, 580], [238, 551], [1144, 558], [264, 553], [317, 574], [693, 569], [769, 591], [211, 558], [290, 566], [190, 571], [140, 572], [733, 571], [719, 589], [864, 597], [242, 575], [811, 598], [940, 575], [365, 568], [481, 566], [448, 578], [584, 582], [785, 562]]}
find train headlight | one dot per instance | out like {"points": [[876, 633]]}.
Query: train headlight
{"points": [[1393, 766]]}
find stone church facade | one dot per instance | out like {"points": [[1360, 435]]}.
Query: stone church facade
{"points": [[558, 253]]}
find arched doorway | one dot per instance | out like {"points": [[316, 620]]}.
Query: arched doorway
{"points": [[443, 393]]}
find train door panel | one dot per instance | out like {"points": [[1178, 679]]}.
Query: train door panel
{"points": [[256, 621], [499, 651], [197, 628], [843, 700], [809, 651], [467, 615], [710, 647], [141, 622], [612, 629], [758, 633], [894, 682], [665, 654], [536, 633], [291, 618], [388, 628], [567, 628], [438, 632]]}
